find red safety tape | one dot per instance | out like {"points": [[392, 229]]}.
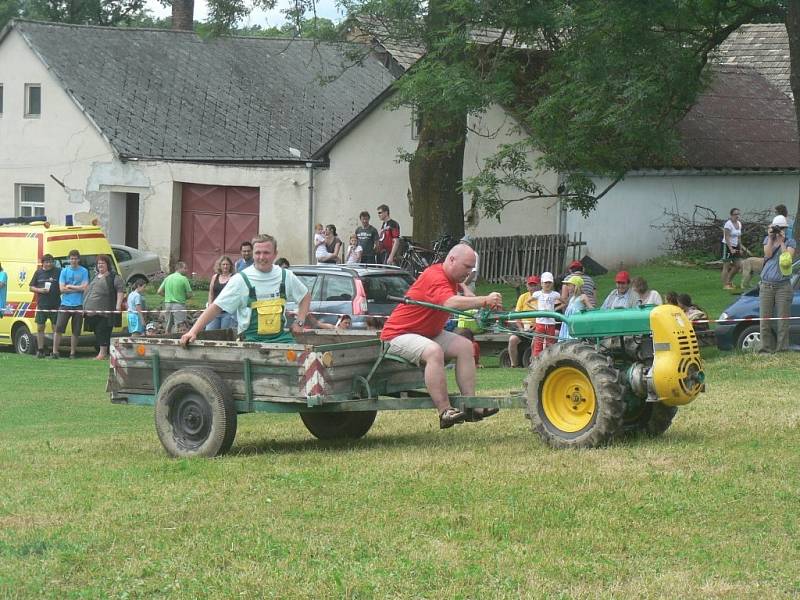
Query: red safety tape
{"points": [[9, 311]]}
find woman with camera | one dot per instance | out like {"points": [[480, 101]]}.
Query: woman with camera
{"points": [[775, 291]]}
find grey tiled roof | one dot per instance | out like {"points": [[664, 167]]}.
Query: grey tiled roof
{"points": [[763, 46], [172, 95], [389, 44], [741, 121]]}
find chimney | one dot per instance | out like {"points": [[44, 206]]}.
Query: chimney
{"points": [[183, 15]]}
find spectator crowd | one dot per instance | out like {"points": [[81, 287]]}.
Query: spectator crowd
{"points": [[69, 295]]}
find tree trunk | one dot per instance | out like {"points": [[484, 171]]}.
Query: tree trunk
{"points": [[437, 168], [793, 33], [183, 15], [436, 172]]}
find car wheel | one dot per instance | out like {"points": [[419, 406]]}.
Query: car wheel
{"points": [[24, 340], [749, 339]]}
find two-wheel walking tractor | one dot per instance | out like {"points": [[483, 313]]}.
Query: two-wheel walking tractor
{"points": [[624, 372]]}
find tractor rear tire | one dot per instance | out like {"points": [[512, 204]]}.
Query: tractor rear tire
{"points": [[339, 426], [195, 414], [574, 397], [654, 419]]}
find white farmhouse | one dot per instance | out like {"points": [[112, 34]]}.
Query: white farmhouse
{"points": [[187, 146]]}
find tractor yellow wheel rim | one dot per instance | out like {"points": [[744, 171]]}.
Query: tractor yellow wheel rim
{"points": [[568, 399]]}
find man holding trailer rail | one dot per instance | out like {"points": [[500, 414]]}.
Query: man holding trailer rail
{"points": [[417, 333]]}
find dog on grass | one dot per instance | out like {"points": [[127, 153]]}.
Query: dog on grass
{"points": [[751, 266]]}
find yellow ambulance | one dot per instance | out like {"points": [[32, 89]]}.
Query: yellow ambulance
{"points": [[21, 248]]}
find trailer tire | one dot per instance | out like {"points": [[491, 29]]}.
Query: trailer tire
{"points": [[654, 419], [523, 358], [574, 397], [195, 414], [337, 426]]}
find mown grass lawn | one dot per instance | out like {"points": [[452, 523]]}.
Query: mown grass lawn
{"points": [[91, 507]]}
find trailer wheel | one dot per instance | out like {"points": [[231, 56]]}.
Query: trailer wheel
{"points": [[652, 420], [337, 426], [523, 357], [24, 340], [195, 414], [574, 398]]}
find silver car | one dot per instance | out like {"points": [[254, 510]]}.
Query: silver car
{"points": [[360, 291], [135, 264]]}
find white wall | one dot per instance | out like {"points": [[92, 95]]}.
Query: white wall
{"points": [[61, 142], [365, 172], [620, 230], [529, 217]]}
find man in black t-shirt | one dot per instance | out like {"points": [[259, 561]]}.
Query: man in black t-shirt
{"points": [[44, 284], [367, 238]]}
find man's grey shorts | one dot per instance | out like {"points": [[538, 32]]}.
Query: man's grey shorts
{"points": [[411, 346], [176, 314]]}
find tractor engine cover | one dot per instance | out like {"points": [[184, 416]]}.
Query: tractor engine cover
{"points": [[677, 373]]}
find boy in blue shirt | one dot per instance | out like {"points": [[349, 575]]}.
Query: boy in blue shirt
{"points": [[73, 281], [136, 308]]}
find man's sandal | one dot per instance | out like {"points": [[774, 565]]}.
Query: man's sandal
{"points": [[479, 414], [450, 416]]}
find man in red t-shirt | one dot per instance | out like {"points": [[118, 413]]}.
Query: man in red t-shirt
{"points": [[417, 333], [388, 238]]}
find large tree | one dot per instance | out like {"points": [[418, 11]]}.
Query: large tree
{"points": [[597, 85]]}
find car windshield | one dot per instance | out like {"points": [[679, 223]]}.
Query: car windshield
{"points": [[379, 287]]}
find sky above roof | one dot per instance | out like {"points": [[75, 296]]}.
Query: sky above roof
{"points": [[271, 18]]}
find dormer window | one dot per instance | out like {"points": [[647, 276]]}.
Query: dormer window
{"points": [[33, 100]]}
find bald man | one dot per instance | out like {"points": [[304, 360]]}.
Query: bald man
{"points": [[417, 333]]}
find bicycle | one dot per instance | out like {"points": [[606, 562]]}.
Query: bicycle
{"points": [[416, 258]]}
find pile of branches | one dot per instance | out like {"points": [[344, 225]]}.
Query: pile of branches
{"points": [[700, 233]]}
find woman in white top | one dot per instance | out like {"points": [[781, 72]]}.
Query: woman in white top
{"points": [[732, 249]]}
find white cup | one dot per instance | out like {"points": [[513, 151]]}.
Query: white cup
{"points": [[47, 285]]}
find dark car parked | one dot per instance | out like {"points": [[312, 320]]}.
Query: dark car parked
{"points": [[744, 335], [356, 290]]}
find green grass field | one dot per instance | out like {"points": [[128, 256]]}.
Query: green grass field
{"points": [[91, 507]]}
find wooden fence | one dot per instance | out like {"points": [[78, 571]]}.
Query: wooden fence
{"points": [[504, 259]]}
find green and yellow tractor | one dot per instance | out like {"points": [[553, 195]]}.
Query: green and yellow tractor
{"points": [[623, 372]]}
